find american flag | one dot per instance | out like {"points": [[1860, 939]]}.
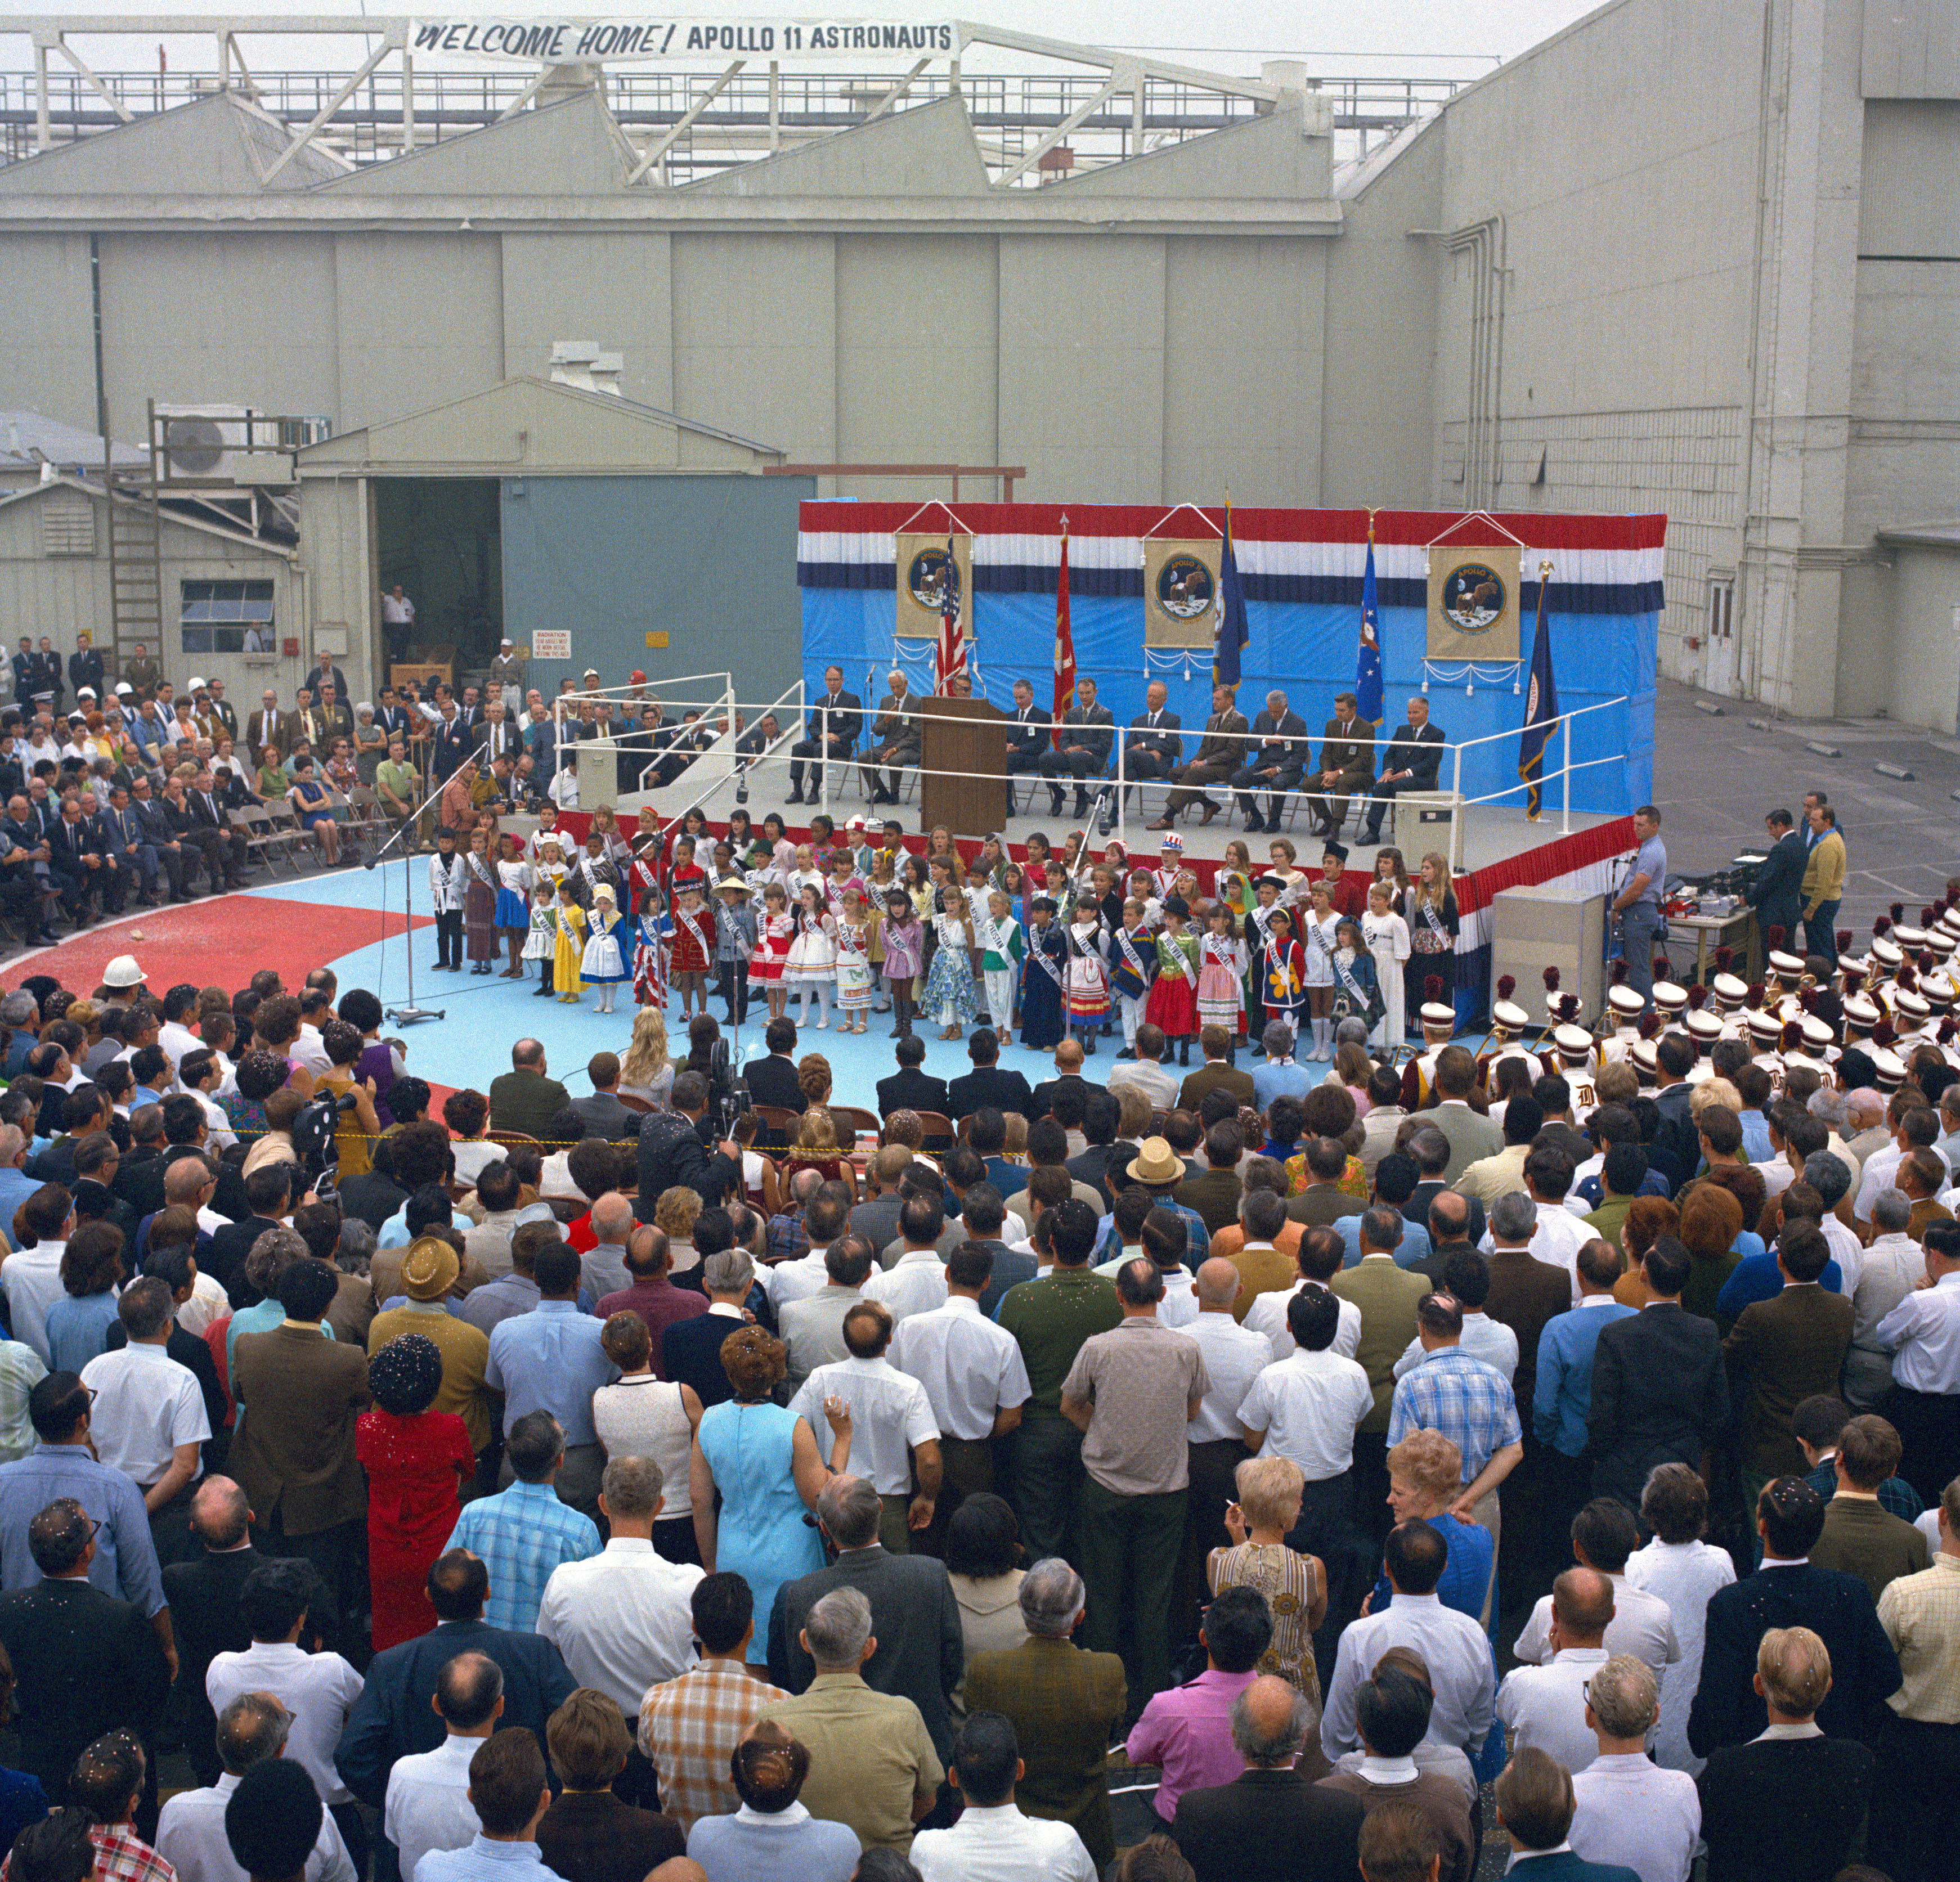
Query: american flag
{"points": [[950, 657]]}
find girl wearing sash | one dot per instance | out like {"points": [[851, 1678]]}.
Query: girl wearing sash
{"points": [[603, 962], [805, 874], [653, 943], [1283, 973], [479, 904], [511, 912], [1317, 921], [811, 966], [1356, 987], [643, 878], [1259, 932], [774, 933], [1221, 965], [541, 937], [1133, 959], [840, 884], [1432, 926], [1172, 1005], [854, 966], [1386, 935], [568, 945], [693, 947], [1001, 951], [903, 939], [949, 988], [879, 884], [1041, 977], [1086, 991]]}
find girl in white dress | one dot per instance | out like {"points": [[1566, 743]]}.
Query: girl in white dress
{"points": [[603, 962], [854, 966], [1387, 936], [542, 941], [1318, 924], [804, 875], [811, 966]]}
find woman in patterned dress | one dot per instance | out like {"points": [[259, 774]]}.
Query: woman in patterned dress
{"points": [[1295, 1585], [479, 904]]}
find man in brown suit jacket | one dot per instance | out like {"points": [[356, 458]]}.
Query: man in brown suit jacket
{"points": [[1217, 757], [299, 1395], [1347, 764], [1787, 1348], [270, 726], [1215, 1073], [1861, 1536]]}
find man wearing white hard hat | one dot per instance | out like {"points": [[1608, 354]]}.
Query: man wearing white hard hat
{"points": [[123, 972]]}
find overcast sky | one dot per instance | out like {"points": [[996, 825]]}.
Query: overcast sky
{"points": [[1415, 36]]}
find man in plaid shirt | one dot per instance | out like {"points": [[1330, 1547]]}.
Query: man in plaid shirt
{"points": [[1469, 1402], [523, 1533], [690, 1726], [108, 1782]]}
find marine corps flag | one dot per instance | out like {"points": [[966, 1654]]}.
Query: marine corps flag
{"points": [[1540, 708]]}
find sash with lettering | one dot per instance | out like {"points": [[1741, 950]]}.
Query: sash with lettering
{"points": [[1435, 938], [689, 920], [1352, 1003], [1131, 956], [1037, 952]]}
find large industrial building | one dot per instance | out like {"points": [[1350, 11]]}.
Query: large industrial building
{"points": [[1696, 256]]}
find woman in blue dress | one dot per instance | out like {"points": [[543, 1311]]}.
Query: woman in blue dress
{"points": [[313, 804], [761, 1460]]}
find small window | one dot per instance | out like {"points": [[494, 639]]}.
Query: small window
{"points": [[226, 617], [1721, 606]]}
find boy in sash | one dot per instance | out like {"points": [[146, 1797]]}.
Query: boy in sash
{"points": [[1001, 949], [446, 882], [1042, 976], [1170, 860], [1133, 959]]}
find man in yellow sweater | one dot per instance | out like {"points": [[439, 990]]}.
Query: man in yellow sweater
{"points": [[1823, 884]]}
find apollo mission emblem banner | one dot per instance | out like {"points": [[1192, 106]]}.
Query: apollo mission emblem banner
{"points": [[1180, 592], [923, 573], [557, 39], [1473, 602]]}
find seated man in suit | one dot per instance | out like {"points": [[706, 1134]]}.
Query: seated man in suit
{"points": [[1088, 734], [1027, 734], [1411, 762], [1787, 1804], [1347, 764], [1218, 756], [987, 1085], [830, 734], [909, 1089], [1273, 764], [898, 740], [1151, 746]]}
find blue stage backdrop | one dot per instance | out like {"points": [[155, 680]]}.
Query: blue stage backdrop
{"points": [[1303, 574]]}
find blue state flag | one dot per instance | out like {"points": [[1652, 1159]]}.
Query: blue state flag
{"points": [[1541, 709], [1368, 655], [1233, 634]]}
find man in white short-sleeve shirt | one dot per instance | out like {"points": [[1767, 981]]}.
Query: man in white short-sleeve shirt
{"points": [[148, 1416]]}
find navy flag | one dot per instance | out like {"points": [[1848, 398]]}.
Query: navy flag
{"points": [[1233, 634], [1540, 708]]}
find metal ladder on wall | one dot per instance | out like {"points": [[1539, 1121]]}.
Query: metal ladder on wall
{"points": [[135, 556]]}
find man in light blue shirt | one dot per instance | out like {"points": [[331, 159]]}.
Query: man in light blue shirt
{"points": [[1562, 1389], [509, 1791], [1278, 1075], [1638, 903], [551, 1360], [16, 1185], [61, 1465], [523, 1533], [772, 1837]]}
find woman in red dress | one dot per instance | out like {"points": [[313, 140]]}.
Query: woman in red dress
{"points": [[413, 1458]]}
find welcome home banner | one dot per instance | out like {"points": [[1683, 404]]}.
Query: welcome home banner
{"points": [[847, 45]]}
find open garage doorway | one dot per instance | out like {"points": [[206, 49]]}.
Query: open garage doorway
{"points": [[441, 538]]}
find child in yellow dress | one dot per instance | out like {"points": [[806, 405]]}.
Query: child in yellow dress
{"points": [[568, 946]]}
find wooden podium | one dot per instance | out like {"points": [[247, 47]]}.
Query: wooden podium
{"points": [[963, 736]]}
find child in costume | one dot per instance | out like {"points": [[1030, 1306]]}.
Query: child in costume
{"points": [[1283, 973], [513, 914], [734, 944], [903, 936], [653, 946], [1385, 935], [811, 966], [774, 935], [1132, 952], [603, 962], [1317, 924], [1356, 987], [1042, 978], [1086, 991], [693, 944], [854, 966], [567, 945], [541, 937], [1221, 972], [948, 986], [1172, 1005], [1257, 932], [1001, 949]]}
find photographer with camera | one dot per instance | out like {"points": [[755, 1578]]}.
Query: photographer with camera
{"points": [[674, 1150]]}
